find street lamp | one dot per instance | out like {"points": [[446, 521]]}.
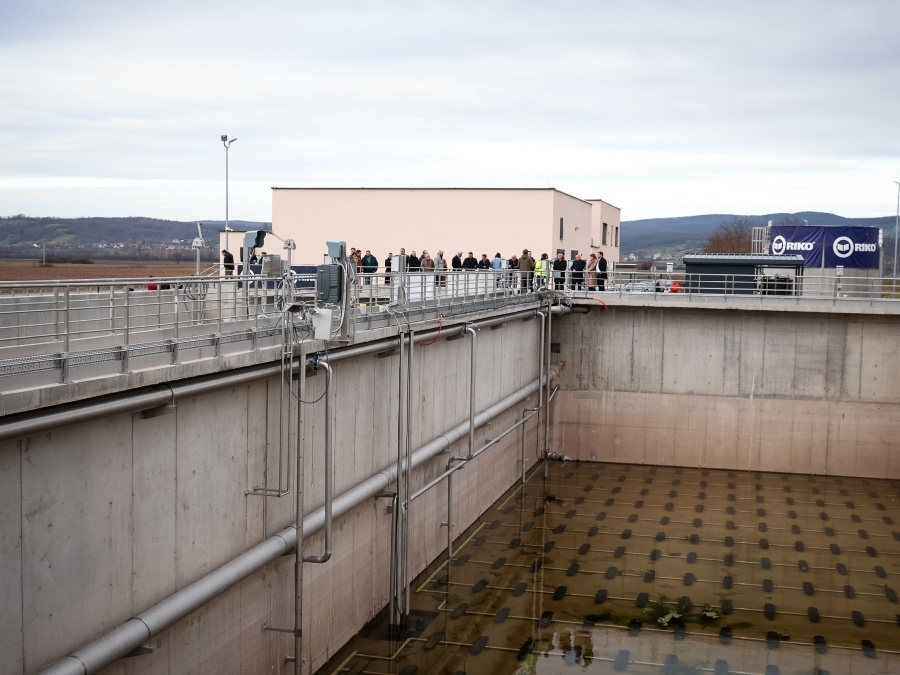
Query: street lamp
{"points": [[896, 227], [227, 143]]}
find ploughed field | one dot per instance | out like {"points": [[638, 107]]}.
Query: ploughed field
{"points": [[33, 270]]}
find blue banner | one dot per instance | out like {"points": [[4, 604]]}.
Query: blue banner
{"points": [[802, 240], [852, 247], [855, 247]]}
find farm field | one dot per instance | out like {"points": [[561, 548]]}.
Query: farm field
{"points": [[32, 270]]}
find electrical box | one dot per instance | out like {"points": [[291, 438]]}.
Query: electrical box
{"points": [[329, 284], [271, 266], [321, 321]]}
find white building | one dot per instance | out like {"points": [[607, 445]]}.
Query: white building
{"points": [[490, 220]]}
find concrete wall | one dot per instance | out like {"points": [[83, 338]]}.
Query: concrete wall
{"points": [[770, 391], [105, 518]]}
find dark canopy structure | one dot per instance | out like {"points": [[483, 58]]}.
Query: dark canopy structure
{"points": [[743, 274]]}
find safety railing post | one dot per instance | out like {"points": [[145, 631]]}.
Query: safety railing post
{"points": [[66, 335], [177, 343], [127, 328]]}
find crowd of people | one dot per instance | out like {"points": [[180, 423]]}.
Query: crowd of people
{"points": [[559, 273], [577, 274]]}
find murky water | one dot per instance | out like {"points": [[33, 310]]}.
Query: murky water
{"points": [[603, 568]]}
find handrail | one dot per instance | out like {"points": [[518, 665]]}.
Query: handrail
{"points": [[329, 468]]}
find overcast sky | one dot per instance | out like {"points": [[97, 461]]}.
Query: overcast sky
{"points": [[662, 108]]}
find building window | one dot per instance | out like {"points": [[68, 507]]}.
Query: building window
{"points": [[617, 237], [560, 250], [560, 229], [574, 253], [603, 239]]}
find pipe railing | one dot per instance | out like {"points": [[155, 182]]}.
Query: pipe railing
{"points": [[329, 468]]}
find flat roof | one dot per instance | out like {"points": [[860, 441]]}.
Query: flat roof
{"points": [[461, 189], [791, 260]]}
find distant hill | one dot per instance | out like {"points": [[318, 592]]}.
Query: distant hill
{"points": [[17, 231], [690, 233]]}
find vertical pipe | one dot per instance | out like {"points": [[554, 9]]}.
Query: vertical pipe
{"points": [[449, 518], [329, 470], [547, 398], [540, 406], [471, 330], [298, 525], [410, 373], [396, 609]]}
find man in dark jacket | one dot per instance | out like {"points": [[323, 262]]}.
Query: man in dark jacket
{"points": [[559, 272], [412, 262], [470, 263], [456, 263], [601, 271], [526, 267], [577, 268], [369, 266], [227, 263]]}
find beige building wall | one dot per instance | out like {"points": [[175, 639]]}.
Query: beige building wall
{"points": [[606, 220], [453, 219]]}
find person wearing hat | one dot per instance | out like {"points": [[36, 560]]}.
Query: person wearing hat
{"points": [[456, 262], [526, 269]]}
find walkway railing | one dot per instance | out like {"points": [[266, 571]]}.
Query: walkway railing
{"points": [[56, 326]]}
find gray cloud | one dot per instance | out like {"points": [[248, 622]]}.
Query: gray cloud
{"points": [[663, 108]]}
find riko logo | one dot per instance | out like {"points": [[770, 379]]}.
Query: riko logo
{"points": [[842, 247], [780, 245]]}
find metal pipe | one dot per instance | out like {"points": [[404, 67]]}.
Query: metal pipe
{"points": [[136, 631], [298, 526], [329, 470], [44, 419], [410, 372], [547, 411], [449, 517], [396, 609], [470, 329], [537, 436], [456, 467]]}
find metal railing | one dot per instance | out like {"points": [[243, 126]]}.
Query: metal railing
{"points": [[46, 326]]}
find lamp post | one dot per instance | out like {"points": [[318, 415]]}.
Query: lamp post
{"points": [[896, 227], [227, 143]]}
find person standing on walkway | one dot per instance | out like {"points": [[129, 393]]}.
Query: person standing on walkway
{"points": [[541, 271], [513, 266], [440, 267], [427, 264], [591, 276], [601, 271], [470, 263], [559, 272], [578, 266], [526, 269], [369, 266], [227, 263]]}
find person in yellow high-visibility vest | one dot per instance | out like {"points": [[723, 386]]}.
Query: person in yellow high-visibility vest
{"points": [[541, 271]]}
